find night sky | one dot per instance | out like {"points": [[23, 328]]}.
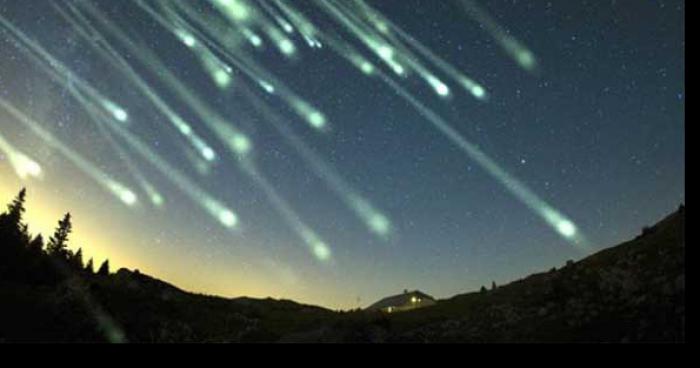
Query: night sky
{"points": [[595, 130]]}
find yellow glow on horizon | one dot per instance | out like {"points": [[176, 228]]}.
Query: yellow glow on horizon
{"points": [[43, 219], [104, 236], [100, 238]]}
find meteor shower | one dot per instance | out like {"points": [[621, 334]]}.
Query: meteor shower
{"points": [[342, 171]]}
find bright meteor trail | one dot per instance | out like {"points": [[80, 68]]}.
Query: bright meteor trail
{"points": [[111, 55], [117, 111], [155, 197], [118, 189], [515, 49], [216, 208], [241, 12], [334, 152], [565, 227], [238, 145], [24, 166], [375, 221]]}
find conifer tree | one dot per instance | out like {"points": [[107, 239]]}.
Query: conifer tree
{"points": [[11, 221], [24, 236], [104, 268], [15, 210], [89, 268], [36, 244], [14, 235], [58, 243], [77, 260]]}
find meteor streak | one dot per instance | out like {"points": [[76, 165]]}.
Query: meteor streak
{"points": [[219, 72], [375, 221], [349, 53], [237, 143], [214, 207], [112, 56], [24, 166], [117, 111], [374, 42], [516, 50], [236, 10], [440, 88], [314, 243], [121, 191], [227, 38], [315, 118], [560, 223], [385, 24], [225, 131], [155, 197]]}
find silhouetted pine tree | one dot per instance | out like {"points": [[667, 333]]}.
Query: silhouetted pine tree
{"points": [[13, 238], [58, 243], [36, 245], [77, 260], [16, 209], [24, 236], [104, 268], [89, 268], [493, 285], [12, 229]]}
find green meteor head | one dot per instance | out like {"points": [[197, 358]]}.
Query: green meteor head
{"points": [[316, 119], [379, 224], [117, 112], [269, 88], [566, 228], [186, 38], [321, 251], [367, 67], [185, 129], [235, 9], [122, 192], [208, 154], [157, 199], [222, 78], [385, 52], [228, 218], [224, 215], [121, 115], [25, 166], [478, 92], [241, 144], [128, 197], [440, 88], [526, 59], [286, 46]]}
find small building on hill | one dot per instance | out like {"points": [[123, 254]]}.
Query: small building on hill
{"points": [[402, 302]]}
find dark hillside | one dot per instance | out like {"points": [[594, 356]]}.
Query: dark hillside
{"points": [[631, 292]]}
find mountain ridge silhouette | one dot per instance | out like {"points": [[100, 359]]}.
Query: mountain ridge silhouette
{"points": [[634, 291]]}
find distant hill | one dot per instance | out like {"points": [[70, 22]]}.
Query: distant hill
{"points": [[632, 292]]}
